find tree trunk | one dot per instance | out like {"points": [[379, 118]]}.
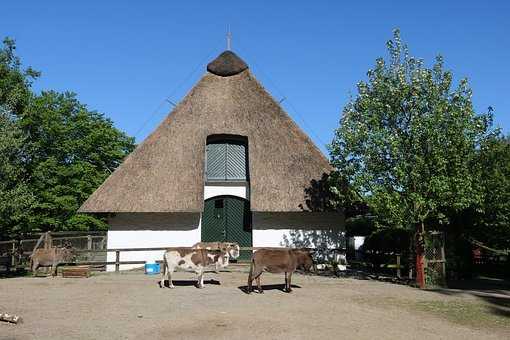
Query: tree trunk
{"points": [[420, 255]]}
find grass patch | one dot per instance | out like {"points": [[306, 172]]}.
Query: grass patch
{"points": [[474, 314]]}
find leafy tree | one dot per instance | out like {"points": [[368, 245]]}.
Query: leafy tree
{"points": [[408, 143], [492, 224], [54, 153], [72, 152], [15, 197], [14, 82]]}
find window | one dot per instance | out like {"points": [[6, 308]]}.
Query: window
{"points": [[226, 160]]}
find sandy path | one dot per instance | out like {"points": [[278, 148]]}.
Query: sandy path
{"points": [[131, 306]]}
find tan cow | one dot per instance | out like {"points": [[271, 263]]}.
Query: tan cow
{"points": [[278, 261], [231, 248], [51, 257], [191, 259]]}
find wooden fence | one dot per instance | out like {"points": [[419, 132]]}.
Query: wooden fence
{"points": [[397, 266], [118, 251]]}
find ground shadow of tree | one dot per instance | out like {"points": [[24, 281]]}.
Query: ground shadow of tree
{"points": [[496, 293]]}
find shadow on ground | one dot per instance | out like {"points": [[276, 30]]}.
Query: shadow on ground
{"points": [[495, 292], [12, 274], [184, 283], [280, 287]]}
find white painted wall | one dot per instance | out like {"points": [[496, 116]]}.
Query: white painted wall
{"points": [[150, 231], [269, 237], [146, 230], [219, 190], [147, 239], [358, 241]]}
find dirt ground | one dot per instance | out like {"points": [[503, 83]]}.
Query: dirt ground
{"points": [[132, 306]]}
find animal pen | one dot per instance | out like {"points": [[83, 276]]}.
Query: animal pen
{"points": [[90, 249]]}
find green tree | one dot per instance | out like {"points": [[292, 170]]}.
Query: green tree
{"points": [[408, 143], [492, 224], [54, 153], [72, 151], [15, 82], [15, 197]]}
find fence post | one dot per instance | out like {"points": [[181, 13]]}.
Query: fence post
{"points": [[117, 260], [443, 265], [398, 266], [89, 242], [14, 263]]}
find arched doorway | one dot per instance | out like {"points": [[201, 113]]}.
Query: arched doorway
{"points": [[228, 219]]}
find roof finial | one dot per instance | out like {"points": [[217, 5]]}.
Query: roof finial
{"points": [[229, 38]]}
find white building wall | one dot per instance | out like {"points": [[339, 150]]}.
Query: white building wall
{"points": [[269, 237], [151, 230], [148, 230], [147, 239], [269, 229], [219, 190]]}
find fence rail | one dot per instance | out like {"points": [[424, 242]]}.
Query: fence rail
{"points": [[117, 251]]}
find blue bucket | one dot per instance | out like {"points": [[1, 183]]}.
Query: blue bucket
{"points": [[151, 268]]}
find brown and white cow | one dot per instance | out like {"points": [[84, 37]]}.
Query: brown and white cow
{"points": [[278, 261], [231, 248], [191, 259], [50, 257]]}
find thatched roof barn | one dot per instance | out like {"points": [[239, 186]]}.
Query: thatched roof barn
{"points": [[165, 173], [227, 164]]}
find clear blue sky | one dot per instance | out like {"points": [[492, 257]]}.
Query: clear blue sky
{"points": [[124, 58]]}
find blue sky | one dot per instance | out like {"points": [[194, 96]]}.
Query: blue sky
{"points": [[124, 58]]}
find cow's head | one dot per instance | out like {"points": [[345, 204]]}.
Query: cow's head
{"points": [[233, 250], [67, 252], [304, 258]]}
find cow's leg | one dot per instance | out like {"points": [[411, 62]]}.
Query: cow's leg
{"points": [[285, 288], [35, 266], [163, 275], [250, 278], [200, 278], [54, 269], [289, 284], [259, 286], [169, 273]]}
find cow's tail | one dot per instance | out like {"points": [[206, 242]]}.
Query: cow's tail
{"points": [[250, 276]]}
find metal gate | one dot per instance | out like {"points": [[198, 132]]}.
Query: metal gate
{"points": [[228, 219], [435, 271]]}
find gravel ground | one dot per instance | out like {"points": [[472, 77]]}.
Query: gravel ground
{"points": [[132, 306]]}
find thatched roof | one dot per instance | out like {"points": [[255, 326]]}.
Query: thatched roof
{"points": [[227, 64], [165, 173]]}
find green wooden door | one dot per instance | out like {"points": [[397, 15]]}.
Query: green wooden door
{"points": [[227, 219]]}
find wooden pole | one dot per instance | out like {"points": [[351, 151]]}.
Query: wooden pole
{"points": [[443, 269], [117, 260], [89, 242], [14, 262], [420, 255], [398, 266]]}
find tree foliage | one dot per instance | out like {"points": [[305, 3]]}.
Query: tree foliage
{"points": [[55, 153], [492, 224], [407, 141], [15, 197]]}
